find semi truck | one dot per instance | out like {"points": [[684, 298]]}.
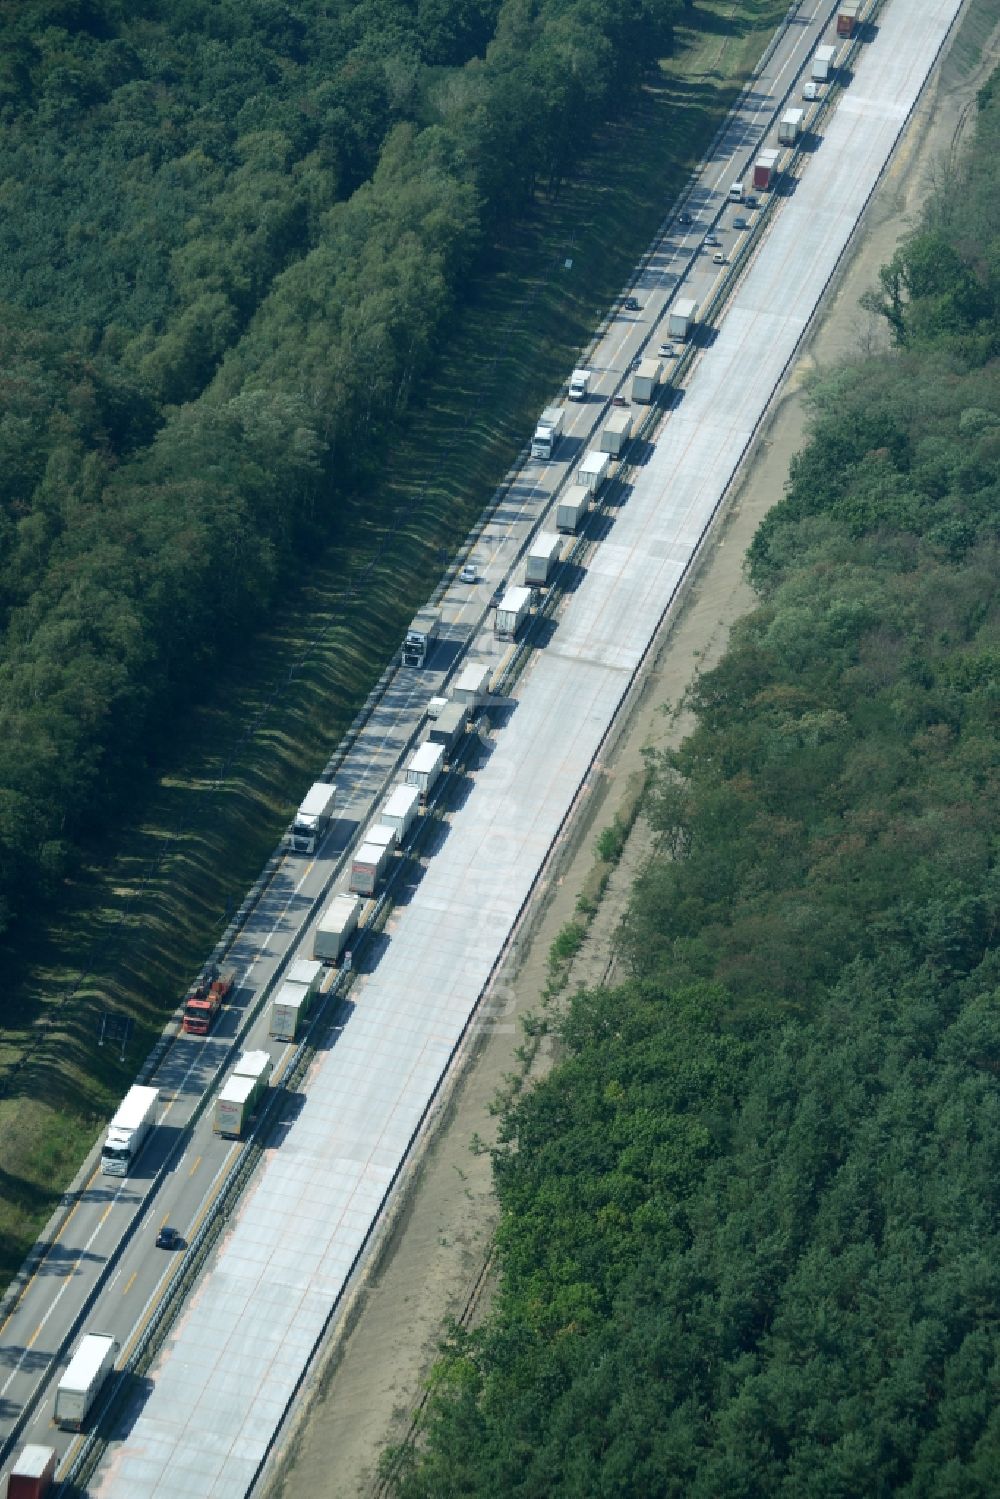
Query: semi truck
{"points": [[313, 818], [472, 686], [81, 1383], [294, 999], [372, 860], [512, 610], [450, 728], [421, 636], [205, 999], [240, 1094], [594, 469], [543, 554], [572, 508], [680, 318], [424, 768], [790, 126], [823, 64], [548, 432], [646, 379], [335, 928], [579, 385], [401, 809], [617, 431], [32, 1473], [135, 1117], [847, 17], [765, 169]]}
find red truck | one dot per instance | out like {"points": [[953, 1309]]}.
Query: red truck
{"points": [[31, 1475], [847, 18], [205, 999], [765, 170]]}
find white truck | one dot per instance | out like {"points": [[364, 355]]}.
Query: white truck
{"points": [[449, 730], [472, 685], [372, 859], [294, 999], [594, 469], [543, 554], [646, 379], [313, 818], [616, 433], [681, 317], [127, 1132], [579, 385], [335, 928], [85, 1374], [572, 507], [424, 768], [421, 636], [512, 610], [548, 432], [239, 1095], [401, 809], [823, 64], [790, 126]]}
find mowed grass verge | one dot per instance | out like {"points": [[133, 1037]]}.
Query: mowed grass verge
{"points": [[138, 920]]}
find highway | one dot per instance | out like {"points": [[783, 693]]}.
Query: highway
{"points": [[384, 1059]]}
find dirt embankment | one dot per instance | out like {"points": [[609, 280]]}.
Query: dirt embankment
{"points": [[430, 1262]]}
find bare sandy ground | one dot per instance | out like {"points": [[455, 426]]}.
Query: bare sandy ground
{"points": [[429, 1265]]}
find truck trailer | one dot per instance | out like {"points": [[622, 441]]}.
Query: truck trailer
{"points": [[401, 809], [294, 999], [32, 1474], [572, 508], [472, 686], [370, 863], [847, 17], [681, 317], [512, 610], [823, 64], [646, 379], [765, 170], [449, 730], [335, 928], [548, 432], [579, 385], [790, 126], [543, 555], [135, 1117], [616, 433], [240, 1094], [424, 768], [205, 999], [313, 818], [420, 637], [81, 1383], [594, 469]]}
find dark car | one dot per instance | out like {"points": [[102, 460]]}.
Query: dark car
{"points": [[750, 201], [168, 1238], [684, 218], [631, 304], [740, 222]]}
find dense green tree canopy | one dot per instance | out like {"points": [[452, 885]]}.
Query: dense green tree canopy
{"points": [[232, 235], [750, 1240]]}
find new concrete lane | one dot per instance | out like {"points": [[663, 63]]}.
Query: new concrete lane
{"points": [[248, 1333]]}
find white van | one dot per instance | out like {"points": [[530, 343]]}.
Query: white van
{"points": [[810, 90], [736, 193]]}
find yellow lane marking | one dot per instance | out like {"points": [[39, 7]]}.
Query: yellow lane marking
{"points": [[128, 1286], [195, 1166]]}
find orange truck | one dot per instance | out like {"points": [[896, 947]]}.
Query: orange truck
{"points": [[205, 999]]}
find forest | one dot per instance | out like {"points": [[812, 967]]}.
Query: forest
{"points": [[749, 1233], [233, 233]]}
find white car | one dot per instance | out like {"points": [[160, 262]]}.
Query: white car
{"points": [[719, 258], [469, 573], [810, 90]]}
